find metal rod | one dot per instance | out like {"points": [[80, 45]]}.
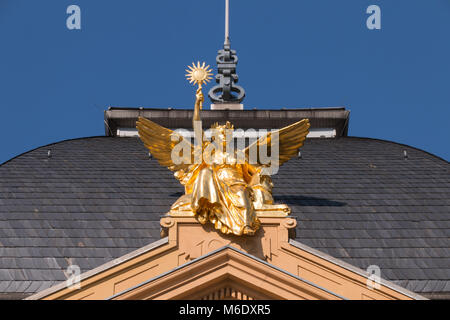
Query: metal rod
{"points": [[227, 22]]}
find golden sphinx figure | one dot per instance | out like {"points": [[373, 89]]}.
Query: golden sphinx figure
{"points": [[226, 188]]}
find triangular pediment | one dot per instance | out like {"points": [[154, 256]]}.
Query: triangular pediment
{"points": [[227, 273]]}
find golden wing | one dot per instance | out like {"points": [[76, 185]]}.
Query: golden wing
{"points": [[161, 141], [290, 139]]}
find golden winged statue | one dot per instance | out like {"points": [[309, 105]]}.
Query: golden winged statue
{"points": [[226, 188]]}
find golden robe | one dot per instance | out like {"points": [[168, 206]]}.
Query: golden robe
{"points": [[220, 192]]}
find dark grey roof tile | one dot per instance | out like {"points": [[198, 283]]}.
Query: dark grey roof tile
{"points": [[99, 198]]}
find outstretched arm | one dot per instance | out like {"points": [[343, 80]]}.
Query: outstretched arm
{"points": [[196, 120], [198, 104]]}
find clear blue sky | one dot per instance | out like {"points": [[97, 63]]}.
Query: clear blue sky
{"points": [[55, 83]]}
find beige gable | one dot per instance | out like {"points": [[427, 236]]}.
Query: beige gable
{"points": [[193, 261]]}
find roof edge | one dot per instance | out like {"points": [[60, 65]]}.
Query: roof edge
{"points": [[335, 117], [50, 144], [345, 137], [251, 109], [399, 144], [99, 269], [354, 269]]}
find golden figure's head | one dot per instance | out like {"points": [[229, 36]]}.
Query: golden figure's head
{"points": [[223, 127], [222, 132]]}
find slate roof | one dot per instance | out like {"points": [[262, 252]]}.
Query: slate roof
{"points": [[96, 199]]}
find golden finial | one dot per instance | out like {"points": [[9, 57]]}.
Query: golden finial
{"points": [[198, 74]]}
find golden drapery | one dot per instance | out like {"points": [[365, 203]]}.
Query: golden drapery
{"points": [[222, 194]]}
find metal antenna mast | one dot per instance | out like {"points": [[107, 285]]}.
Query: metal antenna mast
{"points": [[227, 91], [227, 22]]}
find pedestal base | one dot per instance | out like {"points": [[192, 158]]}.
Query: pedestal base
{"points": [[267, 210]]}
